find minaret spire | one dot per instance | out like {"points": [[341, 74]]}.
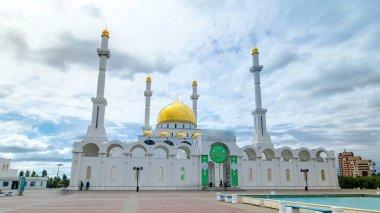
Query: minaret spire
{"points": [[194, 97], [147, 93], [96, 131], [261, 137]]}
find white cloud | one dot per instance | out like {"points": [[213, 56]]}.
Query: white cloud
{"points": [[319, 81]]}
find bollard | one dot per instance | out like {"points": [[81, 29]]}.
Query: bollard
{"points": [[272, 192], [282, 206], [218, 196], [378, 193], [336, 209], [234, 198]]}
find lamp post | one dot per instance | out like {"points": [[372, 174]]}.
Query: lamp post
{"points": [[60, 164], [305, 171], [137, 169]]}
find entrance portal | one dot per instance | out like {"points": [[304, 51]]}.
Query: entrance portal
{"points": [[219, 167]]}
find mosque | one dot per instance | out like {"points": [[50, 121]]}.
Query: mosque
{"points": [[178, 155]]}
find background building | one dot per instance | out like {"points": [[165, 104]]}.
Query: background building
{"points": [[350, 165], [9, 179]]}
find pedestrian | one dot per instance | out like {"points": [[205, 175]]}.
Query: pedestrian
{"points": [[87, 185], [81, 185]]}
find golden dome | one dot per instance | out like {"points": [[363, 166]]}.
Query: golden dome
{"points": [[106, 33], [164, 134], [180, 135], [195, 83], [196, 135], [255, 51], [148, 133], [148, 79], [176, 112]]}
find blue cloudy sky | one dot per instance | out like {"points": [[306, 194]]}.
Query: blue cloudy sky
{"points": [[320, 83]]}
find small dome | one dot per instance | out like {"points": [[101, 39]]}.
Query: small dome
{"points": [[176, 112], [180, 135], [196, 135], [148, 133], [148, 79], [255, 51], [106, 33], [195, 83], [164, 134]]}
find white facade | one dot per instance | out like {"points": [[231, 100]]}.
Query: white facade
{"points": [[178, 155]]}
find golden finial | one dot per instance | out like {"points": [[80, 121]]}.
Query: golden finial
{"points": [[255, 51], [195, 83], [105, 32], [148, 79]]}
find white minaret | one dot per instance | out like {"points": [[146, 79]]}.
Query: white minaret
{"points": [[194, 97], [96, 131], [147, 93], [261, 137]]}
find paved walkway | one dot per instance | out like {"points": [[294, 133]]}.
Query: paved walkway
{"points": [[123, 201], [144, 201]]}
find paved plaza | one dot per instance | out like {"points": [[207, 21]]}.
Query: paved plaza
{"points": [[121, 201], [144, 201]]}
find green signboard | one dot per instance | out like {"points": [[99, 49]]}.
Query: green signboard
{"points": [[21, 187], [204, 170], [218, 153], [234, 171]]}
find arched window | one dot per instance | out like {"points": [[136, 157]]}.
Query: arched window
{"points": [[323, 176], [160, 153], [321, 156], [269, 174], [287, 174], [91, 149], [88, 173], [6, 168], [113, 173], [186, 142], [249, 154], [169, 143], [149, 142], [116, 152], [160, 173], [250, 174], [181, 154], [268, 155], [138, 152], [182, 173]]}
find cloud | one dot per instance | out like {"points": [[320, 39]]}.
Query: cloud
{"points": [[320, 80]]}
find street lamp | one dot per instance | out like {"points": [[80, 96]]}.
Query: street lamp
{"points": [[305, 171], [137, 169], [60, 164]]}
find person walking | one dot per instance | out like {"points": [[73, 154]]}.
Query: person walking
{"points": [[81, 185], [87, 185]]}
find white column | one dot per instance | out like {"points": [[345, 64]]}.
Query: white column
{"points": [[261, 137], [194, 97], [96, 131], [147, 93]]}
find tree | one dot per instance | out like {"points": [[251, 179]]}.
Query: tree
{"points": [[27, 173], [44, 173], [21, 173], [65, 181], [33, 174]]}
